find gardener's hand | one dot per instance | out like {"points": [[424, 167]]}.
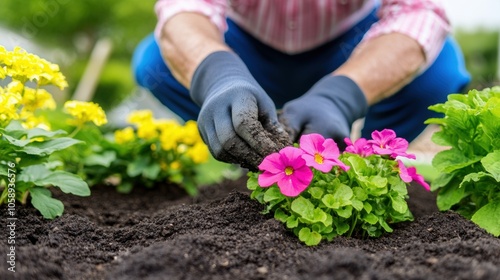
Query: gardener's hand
{"points": [[238, 120], [328, 108]]}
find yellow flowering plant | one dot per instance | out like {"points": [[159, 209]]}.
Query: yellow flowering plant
{"points": [[26, 141], [147, 152], [42, 147]]}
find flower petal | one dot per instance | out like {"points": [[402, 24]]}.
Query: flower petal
{"points": [[267, 179]]}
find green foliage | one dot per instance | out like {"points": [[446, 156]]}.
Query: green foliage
{"points": [[26, 168], [470, 170], [480, 49], [362, 201]]}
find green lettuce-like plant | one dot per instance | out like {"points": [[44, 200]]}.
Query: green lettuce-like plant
{"points": [[320, 193], [470, 170]]}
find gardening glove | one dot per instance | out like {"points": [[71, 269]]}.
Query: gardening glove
{"points": [[328, 108], [237, 120]]}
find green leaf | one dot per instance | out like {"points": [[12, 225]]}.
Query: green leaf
{"points": [[357, 204], [105, 159], [306, 210], [368, 207], [442, 180], [344, 212], [252, 182], [136, 167], [42, 200], [310, 238], [450, 160], [359, 193], [124, 187], [67, 182], [33, 173], [280, 215], [488, 217], [449, 196], [491, 162], [340, 197], [303, 207], [48, 147], [273, 193], [399, 204], [371, 219], [292, 222], [316, 192], [151, 171]]}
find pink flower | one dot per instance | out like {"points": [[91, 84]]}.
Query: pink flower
{"points": [[321, 153], [409, 174], [288, 169], [360, 147], [385, 142]]}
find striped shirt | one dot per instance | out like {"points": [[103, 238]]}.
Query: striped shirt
{"points": [[295, 26]]}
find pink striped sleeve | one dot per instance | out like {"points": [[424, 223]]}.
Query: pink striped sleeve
{"points": [[425, 21], [215, 10]]}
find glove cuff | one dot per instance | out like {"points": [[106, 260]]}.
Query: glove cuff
{"points": [[214, 71], [345, 93]]}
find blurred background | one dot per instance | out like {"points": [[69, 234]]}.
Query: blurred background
{"points": [[93, 40]]}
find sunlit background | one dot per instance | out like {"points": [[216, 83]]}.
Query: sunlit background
{"points": [[98, 37]]}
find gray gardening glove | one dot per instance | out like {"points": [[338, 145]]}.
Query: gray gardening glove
{"points": [[238, 120], [328, 108]]}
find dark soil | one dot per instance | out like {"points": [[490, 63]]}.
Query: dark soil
{"points": [[162, 234]]}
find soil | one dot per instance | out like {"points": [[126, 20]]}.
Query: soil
{"points": [[161, 233]]}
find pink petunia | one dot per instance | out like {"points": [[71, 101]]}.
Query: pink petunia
{"points": [[288, 169], [409, 174], [360, 147], [385, 142], [321, 153]]}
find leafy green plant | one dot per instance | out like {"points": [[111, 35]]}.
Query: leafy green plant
{"points": [[320, 194], [470, 170]]}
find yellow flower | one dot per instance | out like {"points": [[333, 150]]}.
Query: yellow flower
{"points": [[32, 121], [166, 124], [124, 135], [140, 117], [191, 135], [9, 103], [85, 112], [198, 153], [175, 165], [37, 99], [169, 139], [23, 66], [147, 131]]}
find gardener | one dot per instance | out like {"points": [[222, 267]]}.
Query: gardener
{"points": [[230, 64]]}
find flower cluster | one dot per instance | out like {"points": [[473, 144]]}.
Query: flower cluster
{"points": [[165, 135], [290, 168], [321, 193], [84, 112], [18, 101]]}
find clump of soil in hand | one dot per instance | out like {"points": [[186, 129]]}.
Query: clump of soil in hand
{"points": [[161, 233]]}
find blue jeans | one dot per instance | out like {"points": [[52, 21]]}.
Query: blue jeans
{"points": [[285, 77]]}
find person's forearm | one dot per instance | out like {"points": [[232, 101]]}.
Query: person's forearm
{"points": [[383, 65], [186, 39]]}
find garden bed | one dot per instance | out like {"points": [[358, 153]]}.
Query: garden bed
{"points": [[161, 233]]}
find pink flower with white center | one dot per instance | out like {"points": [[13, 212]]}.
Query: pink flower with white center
{"points": [[288, 169], [321, 153], [360, 147], [385, 142], [409, 174]]}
